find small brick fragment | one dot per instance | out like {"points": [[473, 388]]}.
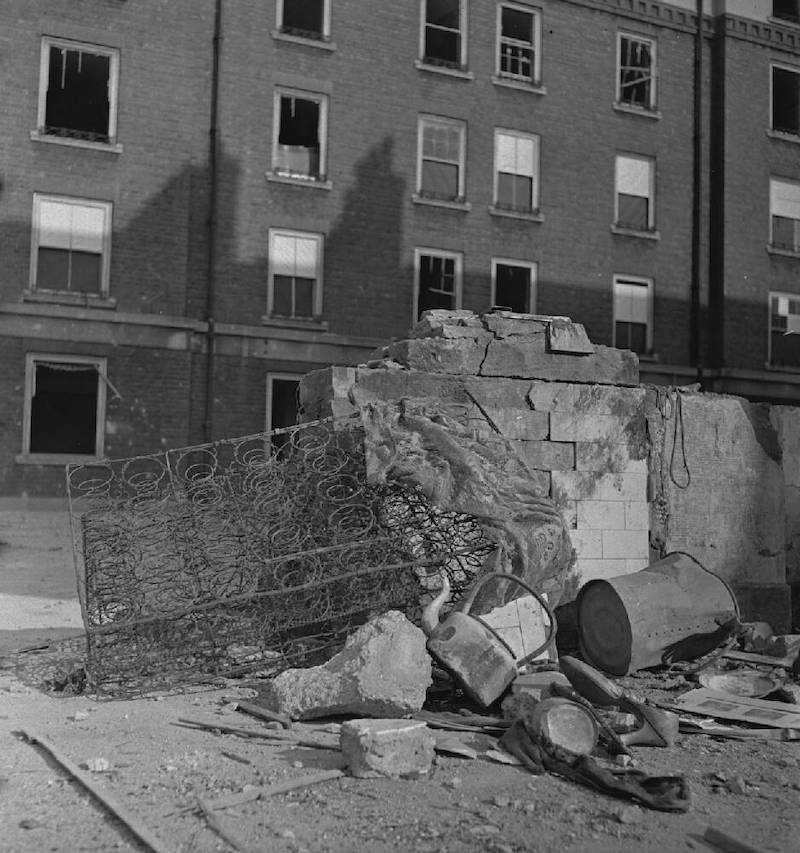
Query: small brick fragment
{"points": [[374, 748]]}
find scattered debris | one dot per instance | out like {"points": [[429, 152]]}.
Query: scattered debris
{"points": [[374, 748], [70, 681], [500, 756], [262, 713], [740, 682], [564, 724], [98, 765], [726, 842], [449, 745], [712, 703], [268, 734], [214, 824]]}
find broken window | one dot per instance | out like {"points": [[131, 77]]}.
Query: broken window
{"points": [[784, 208], [516, 157], [304, 18], [300, 139], [78, 91], [786, 100], [65, 405], [636, 75], [71, 240], [441, 159], [634, 192], [438, 281], [787, 10], [443, 40], [633, 313], [784, 330], [518, 47], [295, 274], [513, 285]]}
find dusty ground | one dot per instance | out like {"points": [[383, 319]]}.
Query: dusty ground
{"points": [[157, 768]]}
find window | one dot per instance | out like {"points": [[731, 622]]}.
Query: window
{"points": [[304, 18], [633, 314], [283, 407], [784, 330], [787, 10], [516, 170], [443, 33], [438, 282], [78, 91], [295, 274], [300, 133], [634, 208], [64, 406], [70, 250], [786, 100], [784, 208], [513, 285], [518, 43], [440, 170], [636, 64]]}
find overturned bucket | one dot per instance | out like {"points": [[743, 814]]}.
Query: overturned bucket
{"points": [[626, 623]]}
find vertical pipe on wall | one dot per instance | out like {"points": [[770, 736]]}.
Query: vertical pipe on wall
{"points": [[697, 196]]}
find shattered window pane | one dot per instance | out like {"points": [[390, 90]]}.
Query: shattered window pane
{"points": [[635, 73], [437, 282], [516, 43], [298, 149], [304, 18], [77, 102], [64, 408], [443, 32], [513, 287], [785, 100]]}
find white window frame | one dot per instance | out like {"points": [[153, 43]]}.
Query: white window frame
{"points": [[428, 120], [317, 298], [271, 377], [326, 20], [105, 264], [113, 86], [536, 70], [783, 67], [651, 190], [458, 257], [536, 140], [322, 100], [531, 266], [774, 184], [642, 281], [653, 71], [463, 19], [100, 364]]}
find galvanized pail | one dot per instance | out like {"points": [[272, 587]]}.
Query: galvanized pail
{"points": [[626, 623]]}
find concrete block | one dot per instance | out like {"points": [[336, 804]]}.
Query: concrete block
{"points": [[577, 426], [319, 387], [608, 457], [513, 423], [600, 515], [568, 337], [503, 324], [448, 324], [588, 544], [438, 355], [375, 748], [626, 544], [637, 515], [547, 455], [583, 485]]}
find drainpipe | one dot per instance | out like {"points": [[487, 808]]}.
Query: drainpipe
{"points": [[211, 224], [697, 198]]}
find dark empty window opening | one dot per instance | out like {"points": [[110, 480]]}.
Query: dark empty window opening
{"points": [[299, 146], [443, 33], [516, 43], [437, 283], [632, 336], [635, 73], [305, 18], [64, 408], [784, 340], [513, 287], [77, 103], [786, 101], [787, 10], [67, 269], [284, 408]]}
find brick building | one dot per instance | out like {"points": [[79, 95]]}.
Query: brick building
{"points": [[202, 200]]}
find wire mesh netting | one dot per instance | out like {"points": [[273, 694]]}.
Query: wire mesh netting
{"points": [[249, 555]]}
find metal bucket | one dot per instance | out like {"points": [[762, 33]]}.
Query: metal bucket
{"points": [[626, 623]]}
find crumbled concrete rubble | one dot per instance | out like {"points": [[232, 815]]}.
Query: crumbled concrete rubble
{"points": [[373, 748], [382, 671]]}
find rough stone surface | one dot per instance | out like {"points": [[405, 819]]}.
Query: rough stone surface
{"points": [[374, 748], [439, 355], [383, 671], [566, 336]]}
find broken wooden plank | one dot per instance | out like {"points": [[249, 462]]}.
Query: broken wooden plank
{"points": [[262, 713], [727, 842], [267, 734], [214, 825], [766, 660], [726, 706], [131, 823]]}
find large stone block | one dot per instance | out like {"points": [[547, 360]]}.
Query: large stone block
{"points": [[610, 457], [320, 387], [583, 485], [438, 355], [374, 748], [525, 329], [383, 671], [512, 423], [449, 324], [568, 337], [786, 420], [547, 455]]}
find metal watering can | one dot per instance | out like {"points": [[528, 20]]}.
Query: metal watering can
{"points": [[478, 657]]}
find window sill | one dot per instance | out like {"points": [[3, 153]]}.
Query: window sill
{"points": [[527, 216], [635, 232], [87, 300], [530, 86], [299, 181], [444, 69], [643, 112], [60, 459], [321, 43], [294, 323], [784, 135], [440, 202], [109, 147], [782, 253]]}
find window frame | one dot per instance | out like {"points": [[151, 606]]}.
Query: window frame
{"points": [[651, 197], [105, 263], [779, 294], [271, 377], [463, 23], [113, 90], [536, 14], [536, 177], [322, 131], [795, 248], [427, 119], [324, 36], [789, 134], [458, 284], [319, 238], [531, 266], [621, 278], [652, 106], [101, 365]]}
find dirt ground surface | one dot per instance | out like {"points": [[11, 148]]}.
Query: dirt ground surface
{"points": [[156, 768]]}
